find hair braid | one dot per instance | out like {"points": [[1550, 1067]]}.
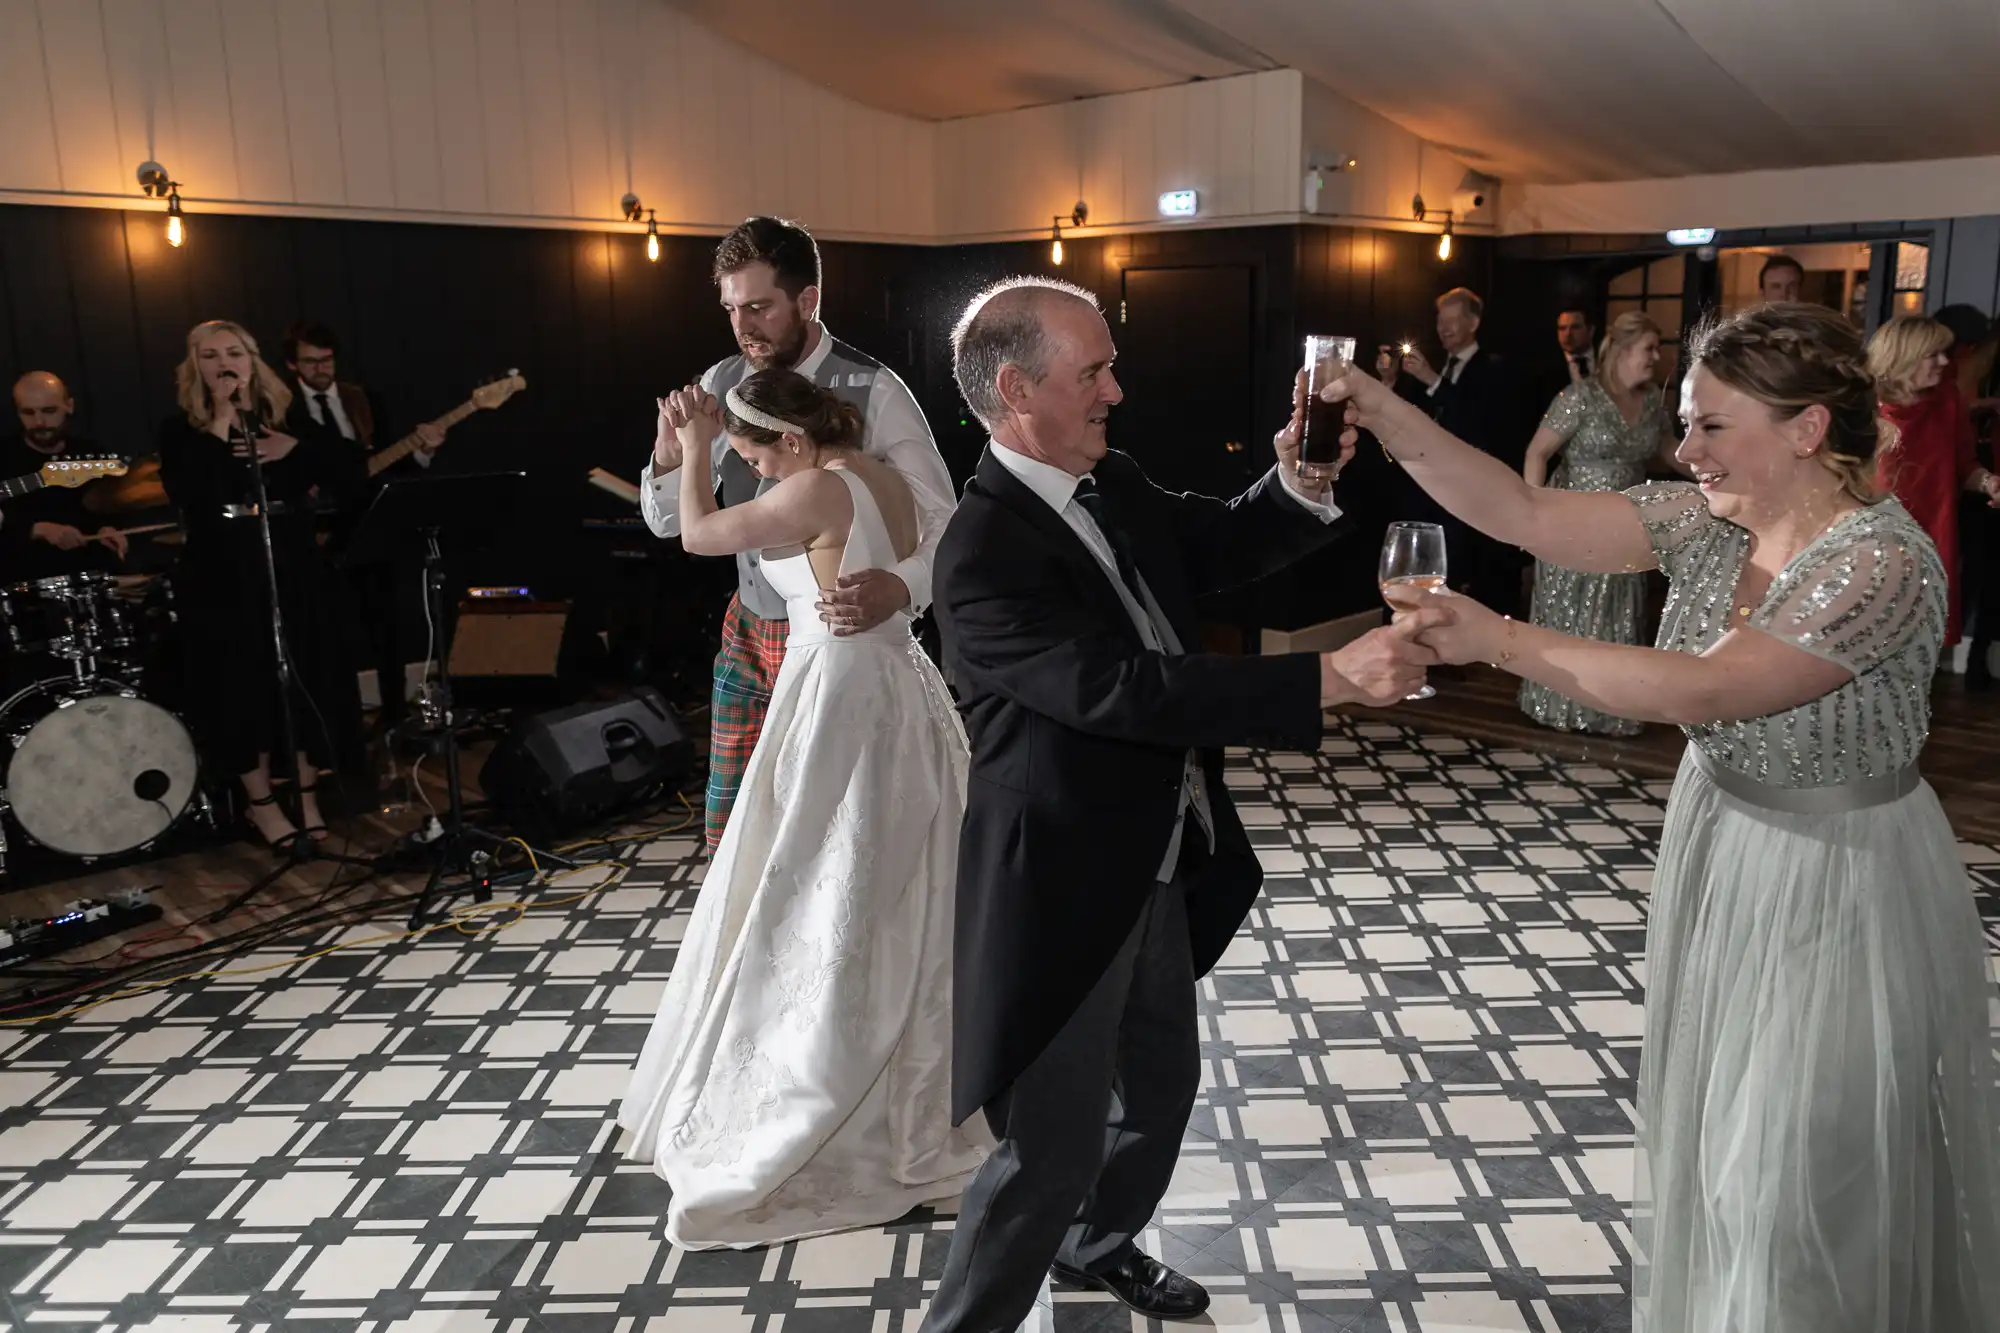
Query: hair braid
{"points": [[1794, 356]]}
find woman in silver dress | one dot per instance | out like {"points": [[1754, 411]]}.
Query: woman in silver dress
{"points": [[1817, 1135], [1601, 433]]}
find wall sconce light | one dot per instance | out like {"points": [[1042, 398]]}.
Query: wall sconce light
{"points": [[633, 209], [1074, 218], [153, 179]]}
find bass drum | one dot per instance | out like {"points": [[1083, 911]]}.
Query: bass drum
{"points": [[94, 770]]}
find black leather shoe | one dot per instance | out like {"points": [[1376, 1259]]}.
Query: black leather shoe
{"points": [[1145, 1284]]}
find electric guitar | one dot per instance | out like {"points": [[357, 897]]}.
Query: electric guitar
{"points": [[484, 398], [69, 472]]}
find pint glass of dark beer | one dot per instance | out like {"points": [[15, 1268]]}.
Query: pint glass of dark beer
{"points": [[1327, 357]]}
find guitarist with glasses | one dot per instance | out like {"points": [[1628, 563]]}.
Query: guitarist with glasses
{"points": [[325, 407], [49, 532]]}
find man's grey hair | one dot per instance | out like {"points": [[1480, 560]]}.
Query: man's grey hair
{"points": [[1465, 299], [1002, 326]]}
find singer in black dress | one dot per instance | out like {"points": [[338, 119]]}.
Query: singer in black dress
{"points": [[221, 587]]}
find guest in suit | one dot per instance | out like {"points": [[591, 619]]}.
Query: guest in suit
{"points": [[1102, 867], [1475, 396], [1781, 280], [1576, 338]]}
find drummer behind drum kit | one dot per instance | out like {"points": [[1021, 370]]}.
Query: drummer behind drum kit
{"points": [[89, 768]]}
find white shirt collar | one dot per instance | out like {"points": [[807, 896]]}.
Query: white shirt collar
{"points": [[1055, 486], [1466, 353], [813, 360]]}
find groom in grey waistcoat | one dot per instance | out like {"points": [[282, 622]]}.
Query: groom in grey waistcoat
{"points": [[768, 273]]}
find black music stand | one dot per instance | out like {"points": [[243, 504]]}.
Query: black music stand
{"points": [[416, 519]]}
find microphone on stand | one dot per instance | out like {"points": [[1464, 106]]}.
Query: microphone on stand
{"points": [[246, 413]]}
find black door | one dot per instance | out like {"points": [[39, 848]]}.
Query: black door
{"points": [[1184, 361]]}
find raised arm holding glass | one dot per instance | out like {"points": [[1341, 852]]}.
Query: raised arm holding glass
{"points": [[1817, 1147]]}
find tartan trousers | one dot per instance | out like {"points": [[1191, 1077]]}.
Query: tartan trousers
{"points": [[746, 668]]}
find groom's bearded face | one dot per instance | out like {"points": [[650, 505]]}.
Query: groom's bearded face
{"points": [[771, 326]]}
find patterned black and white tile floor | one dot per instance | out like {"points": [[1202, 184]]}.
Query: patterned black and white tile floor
{"points": [[1417, 1115]]}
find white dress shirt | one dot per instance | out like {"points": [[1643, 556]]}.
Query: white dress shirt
{"points": [[1057, 489], [330, 398], [893, 429], [1454, 366], [345, 426]]}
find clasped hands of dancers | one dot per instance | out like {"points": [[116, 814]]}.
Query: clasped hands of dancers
{"points": [[950, 950]]}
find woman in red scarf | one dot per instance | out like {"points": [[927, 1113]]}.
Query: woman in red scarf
{"points": [[1933, 458]]}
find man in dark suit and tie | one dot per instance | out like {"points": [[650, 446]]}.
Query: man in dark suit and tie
{"points": [[329, 408], [1102, 868], [1476, 396], [1577, 338]]}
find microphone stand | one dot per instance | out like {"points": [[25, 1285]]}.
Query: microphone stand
{"points": [[299, 848]]}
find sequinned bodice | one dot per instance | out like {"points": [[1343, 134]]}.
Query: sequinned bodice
{"points": [[1601, 452], [1867, 594]]}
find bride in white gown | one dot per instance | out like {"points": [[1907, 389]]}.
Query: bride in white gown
{"points": [[797, 1078]]}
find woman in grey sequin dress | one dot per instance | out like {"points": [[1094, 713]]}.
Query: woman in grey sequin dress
{"points": [[1818, 1149], [1601, 434]]}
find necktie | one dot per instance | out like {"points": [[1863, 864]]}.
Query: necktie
{"points": [[326, 416], [1582, 367], [1092, 501]]}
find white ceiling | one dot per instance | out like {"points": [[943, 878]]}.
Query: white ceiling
{"points": [[1531, 90]]}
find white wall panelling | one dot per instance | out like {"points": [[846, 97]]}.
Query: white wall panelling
{"points": [[545, 112], [1234, 140], [1870, 192], [515, 112]]}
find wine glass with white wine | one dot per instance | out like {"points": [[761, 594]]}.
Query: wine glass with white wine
{"points": [[1413, 561]]}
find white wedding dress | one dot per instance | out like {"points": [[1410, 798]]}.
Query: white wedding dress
{"points": [[797, 1078]]}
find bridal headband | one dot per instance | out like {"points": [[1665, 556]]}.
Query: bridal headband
{"points": [[742, 411]]}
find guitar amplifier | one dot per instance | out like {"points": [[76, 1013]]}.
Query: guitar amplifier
{"points": [[502, 637], [562, 770]]}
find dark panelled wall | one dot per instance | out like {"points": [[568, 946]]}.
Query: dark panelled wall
{"points": [[427, 311]]}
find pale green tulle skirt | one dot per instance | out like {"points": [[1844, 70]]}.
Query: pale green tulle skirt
{"points": [[1818, 1144]]}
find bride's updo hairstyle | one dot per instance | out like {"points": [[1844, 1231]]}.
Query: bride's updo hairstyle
{"points": [[825, 419], [1790, 357]]}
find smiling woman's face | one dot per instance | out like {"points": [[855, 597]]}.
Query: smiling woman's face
{"points": [[1749, 462]]}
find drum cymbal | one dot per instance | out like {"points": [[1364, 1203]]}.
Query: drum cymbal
{"points": [[138, 489]]}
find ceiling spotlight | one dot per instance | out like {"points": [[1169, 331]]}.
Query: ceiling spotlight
{"points": [[1074, 218], [631, 207]]}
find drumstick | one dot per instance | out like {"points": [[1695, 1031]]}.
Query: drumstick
{"points": [[148, 529]]}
